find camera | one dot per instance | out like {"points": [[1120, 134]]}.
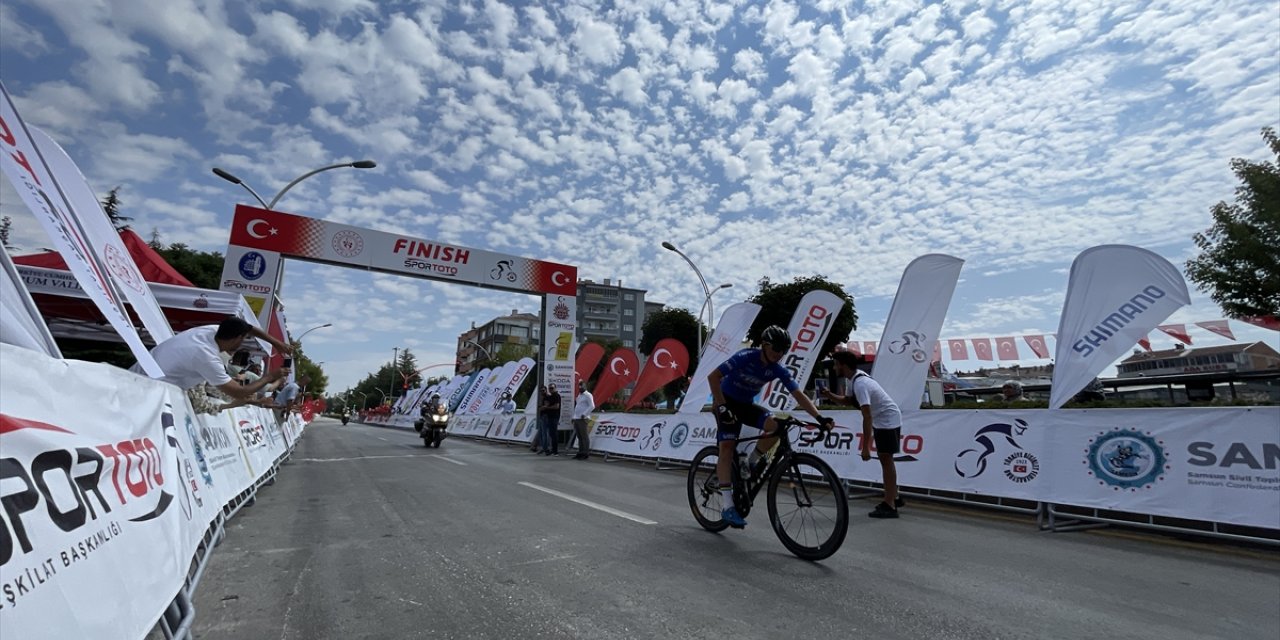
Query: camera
{"points": [[288, 363]]}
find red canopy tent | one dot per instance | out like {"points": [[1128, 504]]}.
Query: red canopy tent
{"points": [[70, 313]]}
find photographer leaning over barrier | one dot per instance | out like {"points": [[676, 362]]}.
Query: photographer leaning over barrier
{"points": [[191, 357]]}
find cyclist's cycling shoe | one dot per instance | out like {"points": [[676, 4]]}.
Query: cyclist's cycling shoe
{"points": [[731, 516], [883, 510]]}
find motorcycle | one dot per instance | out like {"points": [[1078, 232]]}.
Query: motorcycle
{"points": [[346, 417], [435, 427]]}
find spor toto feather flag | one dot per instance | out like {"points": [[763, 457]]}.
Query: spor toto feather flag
{"points": [[620, 369], [809, 328], [669, 360], [1115, 295], [913, 325], [725, 341]]}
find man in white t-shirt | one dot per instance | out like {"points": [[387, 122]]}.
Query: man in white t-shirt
{"points": [[881, 423], [290, 395], [583, 407], [192, 357]]}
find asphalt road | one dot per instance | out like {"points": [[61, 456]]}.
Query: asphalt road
{"points": [[366, 534]]}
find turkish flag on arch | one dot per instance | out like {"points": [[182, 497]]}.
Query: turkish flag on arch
{"points": [[959, 350], [982, 348], [1037, 346], [669, 360], [1178, 331], [1006, 348], [620, 369]]}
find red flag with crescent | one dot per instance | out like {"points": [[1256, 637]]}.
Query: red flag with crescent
{"points": [[1219, 327], [868, 348], [959, 350], [589, 355], [982, 348], [1037, 346], [669, 360], [1266, 322], [1145, 342], [1178, 331], [620, 369], [1006, 348]]}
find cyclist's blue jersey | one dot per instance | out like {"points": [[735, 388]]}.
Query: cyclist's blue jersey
{"points": [[745, 374]]}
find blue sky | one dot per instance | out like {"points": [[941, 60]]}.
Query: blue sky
{"points": [[764, 139]]}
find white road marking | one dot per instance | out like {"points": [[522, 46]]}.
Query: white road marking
{"points": [[382, 438], [436, 455], [352, 458], [588, 503]]}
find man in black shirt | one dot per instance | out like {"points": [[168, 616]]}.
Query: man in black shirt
{"points": [[549, 420]]}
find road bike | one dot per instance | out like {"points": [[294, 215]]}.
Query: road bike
{"points": [[808, 507]]}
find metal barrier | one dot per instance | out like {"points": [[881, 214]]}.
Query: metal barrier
{"points": [[1065, 518]]}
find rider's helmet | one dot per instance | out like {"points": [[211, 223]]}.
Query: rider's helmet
{"points": [[776, 336], [435, 397]]}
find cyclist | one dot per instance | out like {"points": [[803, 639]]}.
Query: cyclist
{"points": [[734, 385]]}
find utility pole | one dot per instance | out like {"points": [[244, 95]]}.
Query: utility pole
{"points": [[391, 388]]}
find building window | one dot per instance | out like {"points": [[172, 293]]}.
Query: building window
{"points": [[628, 327], [628, 312], [627, 343], [628, 296]]}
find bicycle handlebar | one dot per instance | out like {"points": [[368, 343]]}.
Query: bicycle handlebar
{"points": [[813, 432]]}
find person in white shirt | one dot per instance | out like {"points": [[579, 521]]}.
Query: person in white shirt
{"points": [[508, 405], [881, 423], [193, 357], [584, 405]]}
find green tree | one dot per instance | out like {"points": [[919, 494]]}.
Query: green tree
{"points": [[304, 366], [778, 303], [111, 205], [202, 268], [1239, 261]]}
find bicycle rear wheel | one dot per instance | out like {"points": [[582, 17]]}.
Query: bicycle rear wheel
{"points": [[808, 507], [704, 490]]}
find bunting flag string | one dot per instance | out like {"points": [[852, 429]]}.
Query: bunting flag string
{"points": [[1006, 348]]}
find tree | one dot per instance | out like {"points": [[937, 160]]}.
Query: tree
{"points": [[1239, 261], [6, 227], [202, 268], [778, 303], [111, 205]]}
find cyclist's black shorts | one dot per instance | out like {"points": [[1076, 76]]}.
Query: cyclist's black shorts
{"points": [[752, 415], [887, 440]]}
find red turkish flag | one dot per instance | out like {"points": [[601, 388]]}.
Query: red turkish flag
{"points": [[959, 350], [1178, 331], [1219, 327], [937, 351], [1037, 346], [308, 411], [669, 360], [854, 347], [1266, 322], [589, 355], [620, 369], [869, 348], [982, 348], [1006, 348], [1145, 343]]}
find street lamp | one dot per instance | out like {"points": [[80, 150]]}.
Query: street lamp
{"points": [[384, 396], [475, 344], [705, 289], [304, 333], [707, 303], [364, 400], [225, 175]]}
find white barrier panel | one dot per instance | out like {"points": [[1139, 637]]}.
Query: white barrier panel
{"points": [[1212, 464], [109, 480], [515, 427]]}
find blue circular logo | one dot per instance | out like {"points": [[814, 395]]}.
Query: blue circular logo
{"points": [[252, 265], [1126, 459], [679, 436]]}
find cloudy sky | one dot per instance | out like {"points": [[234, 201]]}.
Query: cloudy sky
{"points": [[773, 139]]}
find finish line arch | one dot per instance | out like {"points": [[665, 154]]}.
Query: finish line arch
{"points": [[261, 239]]}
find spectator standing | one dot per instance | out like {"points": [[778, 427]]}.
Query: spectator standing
{"points": [[583, 406], [507, 406], [549, 421], [1011, 391], [290, 396], [881, 423]]}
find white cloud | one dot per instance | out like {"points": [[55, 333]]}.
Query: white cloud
{"points": [[598, 42]]}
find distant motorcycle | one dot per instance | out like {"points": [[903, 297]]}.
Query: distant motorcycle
{"points": [[346, 417]]}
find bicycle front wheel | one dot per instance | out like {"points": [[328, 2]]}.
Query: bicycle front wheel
{"points": [[808, 507], [704, 490]]}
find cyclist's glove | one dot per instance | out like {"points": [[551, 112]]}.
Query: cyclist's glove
{"points": [[725, 417], [826, 424]]}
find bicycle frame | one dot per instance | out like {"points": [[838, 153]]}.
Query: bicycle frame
{"points": [[750, 486]]}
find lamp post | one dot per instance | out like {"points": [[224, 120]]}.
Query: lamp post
{"points": [[304, 333], [384, 396], [475, 344], [705, 289], [707, 303], [226, 175], [364, 399]]}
